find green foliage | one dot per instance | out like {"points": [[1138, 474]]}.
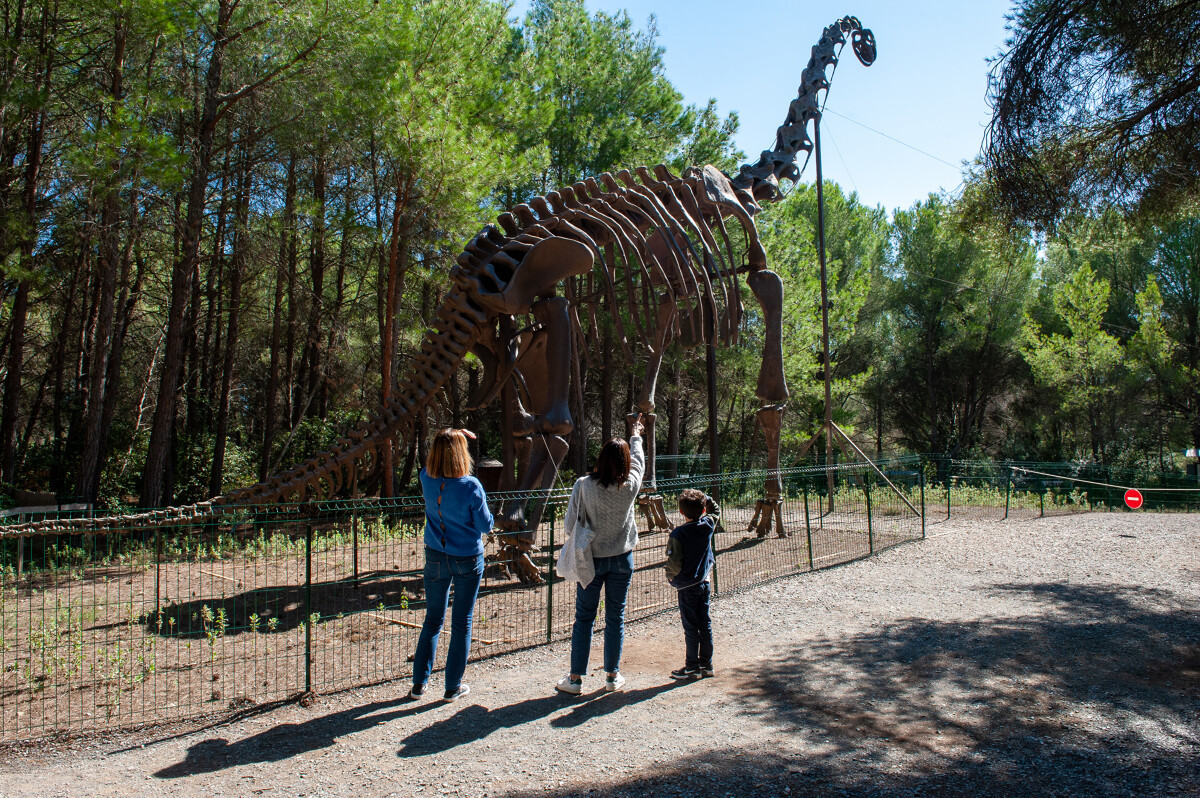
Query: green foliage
{"points": [[955, 299], [602, 99], [1095, 105]]}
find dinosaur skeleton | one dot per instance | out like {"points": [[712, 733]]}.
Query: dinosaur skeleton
{"points": [[651, 248]]}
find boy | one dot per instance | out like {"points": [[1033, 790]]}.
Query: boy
{"points": [[689, 563]]}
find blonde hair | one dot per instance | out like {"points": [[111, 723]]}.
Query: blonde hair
{"points": [[449, 456]]}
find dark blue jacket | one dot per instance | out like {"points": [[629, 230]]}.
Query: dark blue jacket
{"points": [[455, 525], [689, 552]]}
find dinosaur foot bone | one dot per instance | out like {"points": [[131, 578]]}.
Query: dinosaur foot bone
{"points": [[652, 509], [515, 551], [768, 513]]}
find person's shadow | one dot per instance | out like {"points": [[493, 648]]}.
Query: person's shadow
{"points": [[475, 722], [289, 739]]}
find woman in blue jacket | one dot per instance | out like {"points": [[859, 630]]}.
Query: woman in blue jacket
{"points": [[456, 520]]}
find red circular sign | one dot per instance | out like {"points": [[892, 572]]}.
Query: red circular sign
{"points": [[1133, 498]]}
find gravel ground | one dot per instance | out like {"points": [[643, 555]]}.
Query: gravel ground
{"points": [[1058, 656]]}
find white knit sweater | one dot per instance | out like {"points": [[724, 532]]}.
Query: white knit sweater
{"points": [[608, 511]]}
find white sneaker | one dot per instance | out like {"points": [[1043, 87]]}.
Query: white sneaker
{"points": [[568, 685], [614, 683]]}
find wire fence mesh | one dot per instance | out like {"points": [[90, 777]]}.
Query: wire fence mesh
{"points": [[118, 629]]}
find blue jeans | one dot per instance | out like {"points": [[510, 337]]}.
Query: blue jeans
{"points": [[441, 570], [697, 627], [613, 574]]}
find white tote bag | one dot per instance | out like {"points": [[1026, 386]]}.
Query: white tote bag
{"points": [[575, 560]]}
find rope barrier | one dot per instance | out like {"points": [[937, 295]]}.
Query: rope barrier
{"points": [[1101, 484]]}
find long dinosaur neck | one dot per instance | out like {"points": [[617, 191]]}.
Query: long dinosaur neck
{"points": [[762, 178]]}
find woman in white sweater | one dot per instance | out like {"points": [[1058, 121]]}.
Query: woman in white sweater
{"points": [[604, 501]]}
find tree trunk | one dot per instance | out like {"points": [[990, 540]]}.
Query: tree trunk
{"points": [[207, 354], [310, 367], [396, 252], [20, 309], [241, 220], [286, 247], [674, 424], [159, 447], [335, 312], [606, 386], [88, 483]]}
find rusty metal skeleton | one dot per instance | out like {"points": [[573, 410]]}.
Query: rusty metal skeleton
{"points": [[661, 254]]}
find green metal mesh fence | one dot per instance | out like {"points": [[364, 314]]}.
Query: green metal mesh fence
{"points": [[150, 625]]}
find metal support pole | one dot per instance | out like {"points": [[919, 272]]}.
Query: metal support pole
{"points": [[824, 307], [308, 608], [870, 525], [550, 586], [808, 529], [714, 453], [1042, 500]]}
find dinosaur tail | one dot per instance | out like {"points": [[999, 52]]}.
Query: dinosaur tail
{"points": [[355, 458]]}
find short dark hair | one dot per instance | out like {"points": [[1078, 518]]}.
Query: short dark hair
{"points": [[612, 464], [691, 503]]}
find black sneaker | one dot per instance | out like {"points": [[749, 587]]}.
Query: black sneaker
{"points": [[417, 691], [686, 672], [454, 695], [707, 671]]}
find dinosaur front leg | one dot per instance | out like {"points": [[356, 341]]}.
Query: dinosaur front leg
{"points": [[773, 394]]}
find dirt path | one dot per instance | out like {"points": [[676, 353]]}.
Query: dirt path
{"points": [[1058, 656]]}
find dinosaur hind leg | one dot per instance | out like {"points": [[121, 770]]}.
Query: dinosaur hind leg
{"points": [[547, 375]]}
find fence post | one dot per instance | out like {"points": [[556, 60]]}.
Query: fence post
{"points": [[922, 476], [1007, 491], [949, 482], [550, 587], [808, 529], [870, 526], [1041, 500], [715, 584], [308, 608], [157, 571], [354, 535]]}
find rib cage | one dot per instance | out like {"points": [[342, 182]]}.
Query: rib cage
{"points": [[603, 213]]}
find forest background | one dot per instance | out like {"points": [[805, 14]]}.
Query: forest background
{"points": [[225, 225]]}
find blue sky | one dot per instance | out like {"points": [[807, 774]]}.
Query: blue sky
{"points": [[927, 88]]}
